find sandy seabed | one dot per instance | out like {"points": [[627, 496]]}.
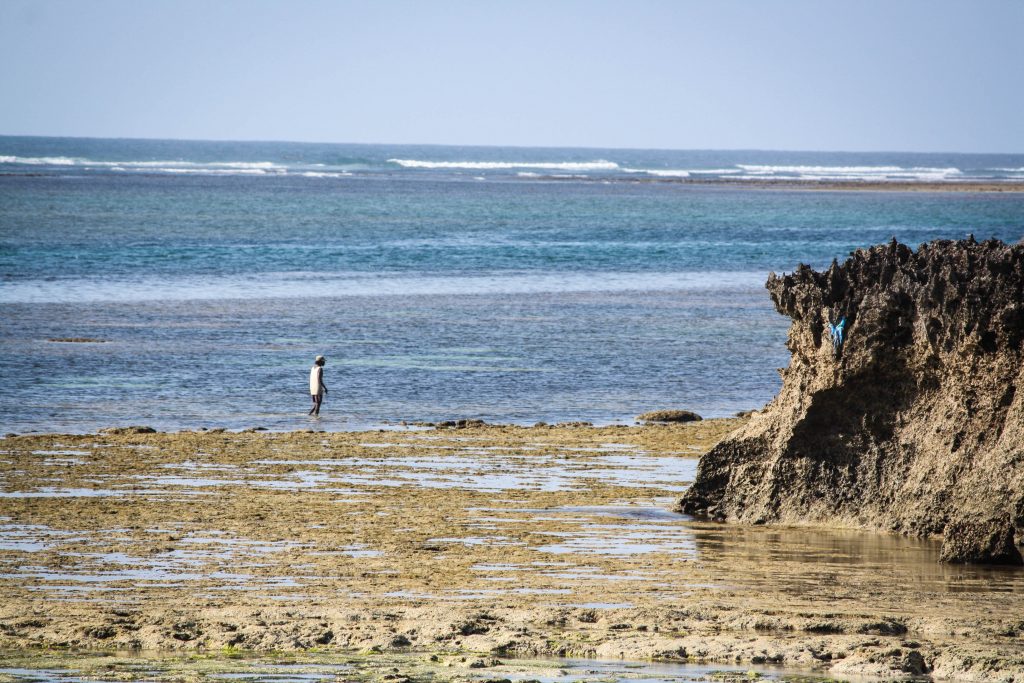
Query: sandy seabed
{"points": [[465, 547]]}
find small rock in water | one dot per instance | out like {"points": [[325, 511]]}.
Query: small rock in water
{"points": [[137, 429], [986, 542], [461, 424], [76, 340], [669, 416]]}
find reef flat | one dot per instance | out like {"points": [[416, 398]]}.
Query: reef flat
{"points": [[485, 541]]}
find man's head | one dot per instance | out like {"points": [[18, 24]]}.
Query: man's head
{"points": [[320, 360]]}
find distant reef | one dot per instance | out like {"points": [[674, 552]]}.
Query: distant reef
{"points": [[911, 421]]}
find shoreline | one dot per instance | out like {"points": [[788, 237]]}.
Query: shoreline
{"points": [[370, 427], [492, 541], [358, 428]]}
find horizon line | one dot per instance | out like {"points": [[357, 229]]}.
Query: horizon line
{"points": [[501, 146]]}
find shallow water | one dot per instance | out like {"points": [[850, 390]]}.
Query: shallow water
{"points": [[210, 284], [495, 471], [137, 666], [789, 559]]}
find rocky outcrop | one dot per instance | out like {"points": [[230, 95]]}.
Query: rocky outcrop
{"points": [[669, 416], [912, 421]]}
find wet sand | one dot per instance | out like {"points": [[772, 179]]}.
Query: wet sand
{"points": [[492, 541]]}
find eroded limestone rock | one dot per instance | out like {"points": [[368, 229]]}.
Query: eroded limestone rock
{"points": [[917, 418]]}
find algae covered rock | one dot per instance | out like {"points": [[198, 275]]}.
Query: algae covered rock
{"points": [[913, 417], [669, 416]]}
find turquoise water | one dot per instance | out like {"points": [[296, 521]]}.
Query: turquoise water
{"points": [[513, 285]]}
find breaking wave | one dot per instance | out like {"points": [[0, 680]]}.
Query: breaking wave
{"points": [[206, 171], [599, 165], [660, 172], [850, 172], [39, 161], [325, 174], [170, 165], [599, 168]]}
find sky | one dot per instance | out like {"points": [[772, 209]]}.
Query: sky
{"points": [[870, 75]]}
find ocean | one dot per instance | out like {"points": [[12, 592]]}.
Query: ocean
{"points": [[508, 284]]}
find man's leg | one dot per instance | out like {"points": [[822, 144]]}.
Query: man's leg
{"points": [[313, 409]]}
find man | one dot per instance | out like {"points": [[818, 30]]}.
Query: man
{"points": [[317, 388]]}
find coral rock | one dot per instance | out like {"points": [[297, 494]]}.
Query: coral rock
{"points": [[916, 419]]}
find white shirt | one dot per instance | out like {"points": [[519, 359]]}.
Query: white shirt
{"points": [[316, 374]]}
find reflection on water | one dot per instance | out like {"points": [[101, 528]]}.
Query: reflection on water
{"points": [[494, 469], [75, 668], [211, 557], [792, 559], [839, 557]]}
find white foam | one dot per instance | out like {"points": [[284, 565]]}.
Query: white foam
{"points": [[758, 168], [297, 285], [324, 174], [660, 172], [39, 161], [599, 165], [162, 166], [714, 171], [756, 171], [209, 171], [239, 165]]}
